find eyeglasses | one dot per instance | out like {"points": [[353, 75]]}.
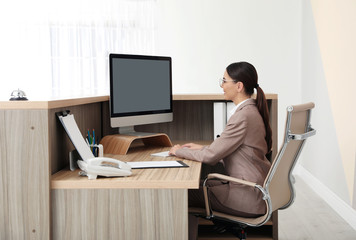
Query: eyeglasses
{"points": [[223, 80]]}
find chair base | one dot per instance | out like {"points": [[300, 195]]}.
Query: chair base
{"points": [[223, 226], [208, 231]]}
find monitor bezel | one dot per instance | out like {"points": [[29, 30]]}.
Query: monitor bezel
{"points": [[143, 117]]}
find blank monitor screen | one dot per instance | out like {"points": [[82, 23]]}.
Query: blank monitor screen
{"points": [[140, 89]]}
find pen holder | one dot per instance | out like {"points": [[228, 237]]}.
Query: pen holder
{"points": [[97, 149]]}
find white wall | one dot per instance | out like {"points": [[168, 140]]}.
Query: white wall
{"points": [[204, 36], [329, 58], [329, 79], [321, 155]]}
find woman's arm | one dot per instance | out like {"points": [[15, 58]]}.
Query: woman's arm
{"points": [[231, 138]]}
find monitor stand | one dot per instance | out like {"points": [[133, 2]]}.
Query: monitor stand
{"points": [[120, 143], [130, 131]]}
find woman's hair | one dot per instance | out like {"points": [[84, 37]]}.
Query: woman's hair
{"points": [[246, 73]]}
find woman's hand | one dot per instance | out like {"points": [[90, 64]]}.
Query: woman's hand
{"points": [[192, 146], [173, 150]]}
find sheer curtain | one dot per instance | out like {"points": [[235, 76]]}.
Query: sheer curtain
{"points": [[60, 48]]}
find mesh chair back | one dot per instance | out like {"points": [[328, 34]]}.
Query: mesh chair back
{"points": [[279, 179]]}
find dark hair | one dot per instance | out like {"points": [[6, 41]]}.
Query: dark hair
{"points": [[246, 73]]}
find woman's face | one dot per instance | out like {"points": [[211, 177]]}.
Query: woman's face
{"points": [[229, 87]]}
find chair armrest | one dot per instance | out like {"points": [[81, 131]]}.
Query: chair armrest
{"points": [[230, 179], [237, 180], [311, 132]]}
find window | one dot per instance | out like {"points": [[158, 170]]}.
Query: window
{"points": [[61, 48]]}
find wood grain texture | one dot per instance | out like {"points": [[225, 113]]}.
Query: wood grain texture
{"points": [[172, 178], [131, 214], [26, 167], [120, 143], [192, 120], [76, 101], [52, 103], [192, 117], [25, 178]]}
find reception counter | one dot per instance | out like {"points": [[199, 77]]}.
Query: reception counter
{"points": [[42, 199]]}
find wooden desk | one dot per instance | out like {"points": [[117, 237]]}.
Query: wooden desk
{"points": [[34, 148], [171, 178], [149, 204]]}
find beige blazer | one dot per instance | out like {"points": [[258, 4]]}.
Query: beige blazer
{"points": [[242, 148]]}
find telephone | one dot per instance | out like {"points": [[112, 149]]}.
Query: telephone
{"points": [[104, 166], [90, 165]]}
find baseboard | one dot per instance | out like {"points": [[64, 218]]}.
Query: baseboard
{"points": [[336, 203]]}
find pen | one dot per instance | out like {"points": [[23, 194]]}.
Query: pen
{"points": [[93, 141], [93, 136], [89, 137]]}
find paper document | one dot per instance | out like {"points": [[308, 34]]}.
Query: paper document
{"points": [[161, 154], [157, 164], [76, 137]]}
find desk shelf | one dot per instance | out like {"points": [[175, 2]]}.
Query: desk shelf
{"points": [[156, 178]]}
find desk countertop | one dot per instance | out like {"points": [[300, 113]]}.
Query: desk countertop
{"points": [[172, 178], [57, 103]]}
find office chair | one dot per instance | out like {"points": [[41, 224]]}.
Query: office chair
{"points": [[277, 190]]}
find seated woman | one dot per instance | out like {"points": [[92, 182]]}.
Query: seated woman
{"points": [[242, 148]]}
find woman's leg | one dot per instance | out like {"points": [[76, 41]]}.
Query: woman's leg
{"points": [[196, 197]]}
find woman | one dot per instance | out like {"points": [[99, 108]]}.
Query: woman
{"points": [[242, 148]]}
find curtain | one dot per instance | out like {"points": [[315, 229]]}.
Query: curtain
{"points": [[60, 48]]}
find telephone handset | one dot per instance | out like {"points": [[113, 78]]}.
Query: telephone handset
{"points": [[104, 166]]}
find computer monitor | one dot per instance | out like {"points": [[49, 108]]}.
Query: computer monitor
{"points": [[140, 91]]}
